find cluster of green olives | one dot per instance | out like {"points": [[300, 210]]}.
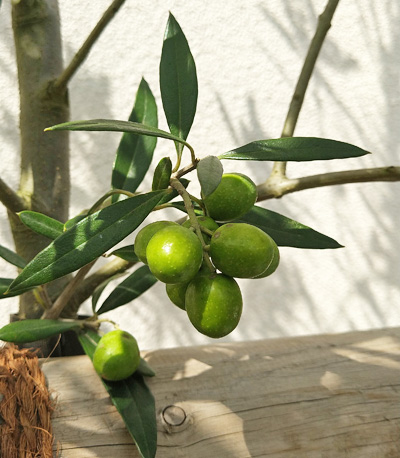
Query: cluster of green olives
{"points": [[207, 290]]}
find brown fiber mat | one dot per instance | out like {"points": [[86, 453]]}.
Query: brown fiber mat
{"points": [[25, 406]]}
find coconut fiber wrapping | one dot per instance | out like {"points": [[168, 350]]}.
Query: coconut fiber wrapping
{"points": [[25, 407]]}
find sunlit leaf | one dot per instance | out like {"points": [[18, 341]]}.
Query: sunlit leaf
{"points": [[42, 224], [294, 149], [87, 240], [32, 330]]}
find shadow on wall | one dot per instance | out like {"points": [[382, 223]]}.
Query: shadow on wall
{"points": [[383, 266]]}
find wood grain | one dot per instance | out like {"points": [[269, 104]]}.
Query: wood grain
{"points": [[327, 396]]}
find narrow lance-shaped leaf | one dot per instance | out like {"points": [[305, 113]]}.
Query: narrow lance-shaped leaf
{"points": [[131, 288], [32, 330], [4, 285], [178, 81], [285, 231], [134, 153], [162, 174], [294, 149], [87, 240], [134, 401], [42, 224], [11, 257], [110, 125], [209, 173], [99, 290], [74, 220]]}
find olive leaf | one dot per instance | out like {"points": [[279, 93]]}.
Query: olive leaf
{"points": [[209, 173], [32, 330], [87, 240], [12, 257], [286, 231], [294, 149], [162, 174], [41, 224], [135, 152], [178, 81]]}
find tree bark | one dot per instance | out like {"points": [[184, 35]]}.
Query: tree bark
{"points": [[44, 180]]}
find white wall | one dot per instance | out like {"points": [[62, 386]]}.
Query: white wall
{"points": [[248, 57]]}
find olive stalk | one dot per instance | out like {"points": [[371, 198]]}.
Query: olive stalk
{"points": [[176, 184]]}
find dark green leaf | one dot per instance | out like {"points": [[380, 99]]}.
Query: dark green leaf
{"points": [[135, 403], [11, 257], [135, 152], [131, 288], [87, 240], [31, 330], [285, 231], [98, 291], [126, 253], [294, 149], [178, 81], [162, 174], [4, 285], [209, 173], [108, 125], [145, 369], [42, 224], [73, 221]]}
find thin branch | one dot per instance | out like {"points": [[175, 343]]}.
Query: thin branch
{"points": [[57, 308], [278, 188], [324, 24], [62, 81], [10, 199]]}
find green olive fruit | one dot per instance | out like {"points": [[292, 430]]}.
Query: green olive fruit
{"points": [[116, 356], [174, 254], [176, 293], [241, 250], [204, 221], [273, 265], [214, 304], [145, 234], [234, 196]]}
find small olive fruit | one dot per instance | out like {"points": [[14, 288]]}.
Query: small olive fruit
{"points": [[204, 221], [234, 196], [116, 356], [214, 304], [273, 265], [241, 250], [174, 254], [145, 234], [176, 293]]}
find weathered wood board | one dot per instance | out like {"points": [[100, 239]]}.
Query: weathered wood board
{"points": [[327, 396]]}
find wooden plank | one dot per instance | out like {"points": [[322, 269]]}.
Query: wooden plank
{"points": [[328, 396]]}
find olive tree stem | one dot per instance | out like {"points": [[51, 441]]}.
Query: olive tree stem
{"points": [[278, 188], [324, 24], [10, 199], [60, 84]]}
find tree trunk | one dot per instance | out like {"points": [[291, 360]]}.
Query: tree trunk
{"points": [[44, 180]]}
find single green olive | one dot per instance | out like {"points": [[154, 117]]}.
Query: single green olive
{"points": [[241, 250], [235, 195], [273, 265], [116, 356], [174, 254], [145, 234], [214, 304]]}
